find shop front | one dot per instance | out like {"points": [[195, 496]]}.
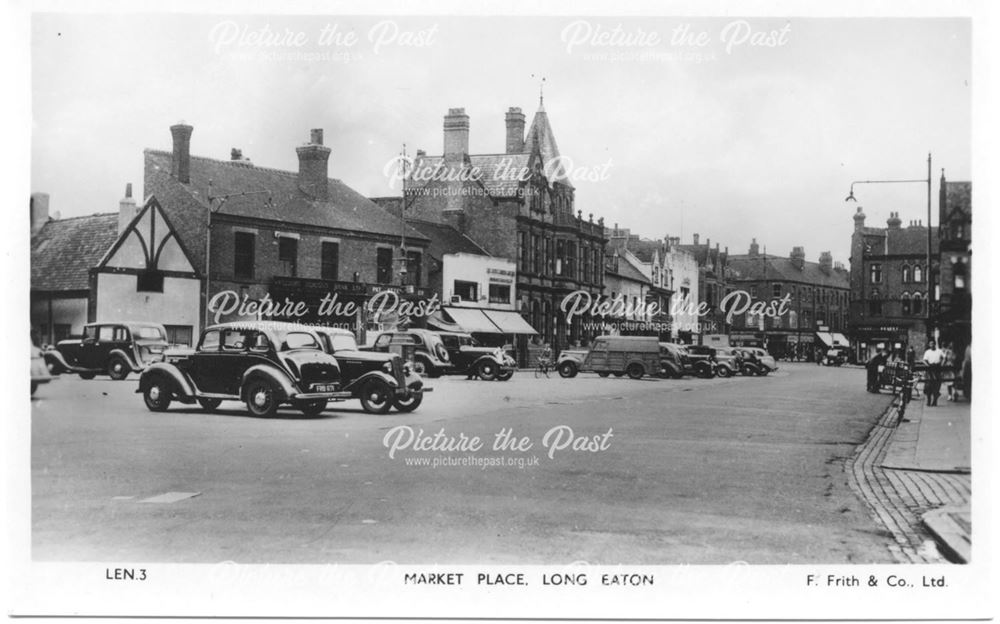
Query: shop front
{"points": [[869, 339]]}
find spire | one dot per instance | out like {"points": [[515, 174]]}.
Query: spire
{"points": [[541, 93]]}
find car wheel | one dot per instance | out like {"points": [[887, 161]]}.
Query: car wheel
{"points": [[618, 374], [487, 370], [209, 404], [261, 398], [88, 375], [603, 374], [506, 375], [409, 404], [763, 372], [724, 371], [635, 371], [54, 368], [118, 368], [420, 367], [157, 395], [311, 409], [568, 370], [376, 397]]}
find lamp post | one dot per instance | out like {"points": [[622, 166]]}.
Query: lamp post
{"points": [[929, 272]]}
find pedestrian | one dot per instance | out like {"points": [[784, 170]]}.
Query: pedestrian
{"points": [[911, 357], [874, 365], [933, 358], [967, 372]]}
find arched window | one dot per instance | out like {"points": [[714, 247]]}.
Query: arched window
{"points": [[793, 319], [906, 274], [917, 308], [906, 303], [875, 303], [918, 274], [960, 275]]}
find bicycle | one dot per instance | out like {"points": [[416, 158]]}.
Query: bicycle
{"points": [[542, 367]]}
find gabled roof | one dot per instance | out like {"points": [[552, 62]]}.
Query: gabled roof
{"points": [[445, 239], [627, 270], [958, 198], [540, 134], [64, 251], [187, 204], [773, 268]]}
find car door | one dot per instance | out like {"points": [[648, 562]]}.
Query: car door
{"points": [[202, 363], [597, 357]]}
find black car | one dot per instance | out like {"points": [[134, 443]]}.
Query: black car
{"points": [[379, 380], [430, 358], [265, 364], [701, 361], [113, 349], [468, 357]]}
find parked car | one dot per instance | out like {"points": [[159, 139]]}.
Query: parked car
{"points": [[468, 357], [673, 360], [702, 360], [758, 361], [113, 349], [634, 356], [264, 364], [379, 380], [834, 357], [430, 357], [728, 361], [39, 370]]}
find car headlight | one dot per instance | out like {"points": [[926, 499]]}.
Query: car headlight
{"points": [[387, 367], [406, 368]]}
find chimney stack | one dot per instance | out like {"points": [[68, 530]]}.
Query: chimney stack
{"points": [[180, 164], [126, 209], [825, 262], [894, 222], [456, 135], [313, 177], [859, 219], [798, 257], [695, 239], [754, 248], [39, 210], [515, 130]]}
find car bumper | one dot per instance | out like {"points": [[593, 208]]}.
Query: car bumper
{"points": [[315, 396]]}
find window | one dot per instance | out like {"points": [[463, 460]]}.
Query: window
{"points": [[499, 293], [106, 333], [907, 275], [918, 274], [383, 265], [560, 258], [149, 281], [300, 340], [243, 260], [288, 255], [959, 275], [917, 307], [875, 304], [536, 254], [522, 244], [235, 340], [413, 266], [775, 290], [549, 262], [210, 341], [467, 291], [875, 274], [179, 334], [329, 260]]}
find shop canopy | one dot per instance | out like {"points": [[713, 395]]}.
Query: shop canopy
{"points": [[476, 321], [833, 339]]}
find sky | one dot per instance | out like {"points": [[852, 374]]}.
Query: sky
{"points": [[730, 128]]}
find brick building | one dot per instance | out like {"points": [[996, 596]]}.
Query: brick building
{"points": [[954, 306], [518, 204], [889, 285], [713, 280], [816, 294], [265, 233]]}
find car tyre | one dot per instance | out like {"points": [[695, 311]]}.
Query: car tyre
{"points": [[618, 374], [421, 367], [506, 375], [487, 370], [724, 371], [261, 398], [88, 375], [209, 404], [603, 374], [409, 404], [376, 397], [568, 370], [311, 409], [635, 371], [118, 368], [157, 395]]}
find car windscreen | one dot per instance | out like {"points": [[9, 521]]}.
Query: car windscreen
{"points": [[299, 340], [342, 342], [147, 332]]}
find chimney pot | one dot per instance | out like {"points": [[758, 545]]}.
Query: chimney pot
{"points": [[313, 177], [235, 154], [515, 130], [180, 164], [316, 136], [695, 239]]}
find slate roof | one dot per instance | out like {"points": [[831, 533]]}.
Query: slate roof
{"points": [[499, 173], [540, 134], [186, 205], [752, 268], [626, 270], [958, 197], [445, 239], [64, 250], [907, 241]]}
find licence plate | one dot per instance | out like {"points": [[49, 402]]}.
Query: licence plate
{"points": [[324, 387]]}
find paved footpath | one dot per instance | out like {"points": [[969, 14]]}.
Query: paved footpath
{"points": [[916, 477]]}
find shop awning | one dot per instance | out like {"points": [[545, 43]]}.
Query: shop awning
{"points": [[473, 320], [825, 338], [437, 321], [840, 340], [510, 322]]}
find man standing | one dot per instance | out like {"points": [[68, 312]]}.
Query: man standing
{"points": [[933, 358], [874, 364]]}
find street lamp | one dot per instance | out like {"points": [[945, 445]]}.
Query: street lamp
{"points": [[930, 291]]}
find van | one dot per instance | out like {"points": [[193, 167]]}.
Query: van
{"points": [[634, 356]]}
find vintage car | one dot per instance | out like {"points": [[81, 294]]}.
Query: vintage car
{"points": [[429, 355], [757, 361], [702, 361], [379, 380], [728, 361], [113, 349], [39, 370], [634, 356], [837, 356], [468, 357], [264, 364]]}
